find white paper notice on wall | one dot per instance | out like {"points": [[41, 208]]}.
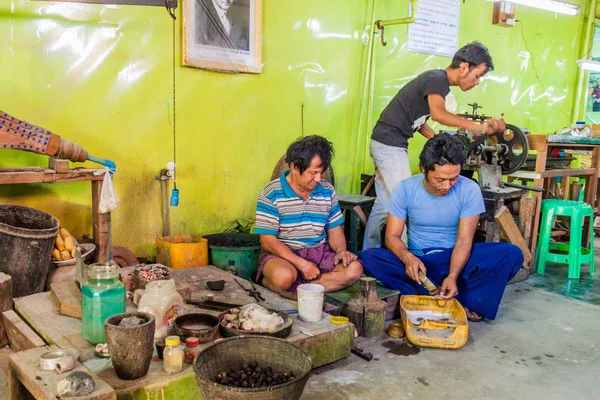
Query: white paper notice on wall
{"points": [[435, 30]]}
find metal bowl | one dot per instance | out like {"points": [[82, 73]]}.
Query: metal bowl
{"points": [[198, 325], [282, 332], [87, 248]]}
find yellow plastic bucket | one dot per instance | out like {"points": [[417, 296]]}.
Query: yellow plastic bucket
{"points": [[182, 251], [432, 323]]}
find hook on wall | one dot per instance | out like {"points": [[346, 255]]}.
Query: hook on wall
{"points": [[171, 6], [412, 18], [381, 28]]}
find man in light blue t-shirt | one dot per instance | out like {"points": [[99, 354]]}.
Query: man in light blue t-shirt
{"points": [[441, 211]]}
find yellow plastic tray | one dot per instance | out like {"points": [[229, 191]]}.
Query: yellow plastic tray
{"points": [[429, 324]]}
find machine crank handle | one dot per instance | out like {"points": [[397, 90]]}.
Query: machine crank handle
{"points": [[517, 186]]}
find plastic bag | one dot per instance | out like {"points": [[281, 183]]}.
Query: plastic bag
{"points": [[109, 200]]}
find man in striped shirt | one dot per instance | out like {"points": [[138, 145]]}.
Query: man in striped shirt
{"points": [[300, 225]]}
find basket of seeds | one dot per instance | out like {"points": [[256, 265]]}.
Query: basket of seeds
{"points": [[252, 367]]}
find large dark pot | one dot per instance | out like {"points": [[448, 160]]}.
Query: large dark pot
{"points": [[130, 347], [27, 238]]}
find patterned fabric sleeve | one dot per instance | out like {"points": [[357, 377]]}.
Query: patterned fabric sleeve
{"points": [[336, 218], [267, 216]]}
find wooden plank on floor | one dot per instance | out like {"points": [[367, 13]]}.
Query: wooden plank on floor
{"points": [[68, 298], [526, 215], [6, 304], [20, 335], [25, 374], [511, 231]]}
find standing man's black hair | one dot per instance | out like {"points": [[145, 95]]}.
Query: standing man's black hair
{"points": [[442, 149], [303, 150], [473, 54]]}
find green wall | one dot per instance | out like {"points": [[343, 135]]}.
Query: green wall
{"points": [[101, 76]]}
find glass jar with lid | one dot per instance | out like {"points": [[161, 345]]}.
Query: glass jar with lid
{"points": [[173, 355], [192, 348], [102, 296]]}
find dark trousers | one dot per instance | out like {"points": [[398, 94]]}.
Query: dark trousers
{"points": [[480, 284]]}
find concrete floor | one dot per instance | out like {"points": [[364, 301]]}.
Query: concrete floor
{"points": [[544, 344]]}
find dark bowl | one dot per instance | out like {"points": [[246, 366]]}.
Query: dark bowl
{"points": [[215, 285], [282, 332], [201, 326]]}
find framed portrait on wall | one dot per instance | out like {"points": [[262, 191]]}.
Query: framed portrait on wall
{"points": [[223, 35]]}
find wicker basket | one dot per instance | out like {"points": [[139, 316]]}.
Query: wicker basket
{"points": [[268, 351]]}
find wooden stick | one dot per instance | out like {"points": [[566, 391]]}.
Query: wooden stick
{"points": [[512, 233], [6, 304]]}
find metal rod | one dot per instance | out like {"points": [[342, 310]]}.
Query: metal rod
{"points": [[366, 90], [164, 191], [412, 18], [578, 104], [516, 185]]}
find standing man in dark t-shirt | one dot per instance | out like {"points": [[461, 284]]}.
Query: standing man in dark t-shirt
{"points": [[408, 112]]}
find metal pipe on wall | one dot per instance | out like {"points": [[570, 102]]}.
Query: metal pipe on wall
{"points": [[164, 177], [369, 80], [412, 18], [365, 94], [578, 111]]}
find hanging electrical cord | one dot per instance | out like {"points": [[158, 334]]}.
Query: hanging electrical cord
{"points": [[171, 6]]}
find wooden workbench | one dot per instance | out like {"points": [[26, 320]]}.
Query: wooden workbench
{"points": [[101, 222], [26, 378], [541, 177], [329, 343]]}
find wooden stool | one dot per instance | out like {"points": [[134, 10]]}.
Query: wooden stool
{"points": [[347, 203]]}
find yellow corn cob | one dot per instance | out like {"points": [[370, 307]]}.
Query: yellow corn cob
{"points": [[65, 255], [64, 233], [56, 254], [60, 243], [69, 243]]}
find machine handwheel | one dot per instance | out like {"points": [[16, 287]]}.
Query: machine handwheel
{"points": [[517, 148]]}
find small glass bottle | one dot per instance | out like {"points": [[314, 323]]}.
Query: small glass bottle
{"points": [[102, 296], [172, 355], [192, 348]]}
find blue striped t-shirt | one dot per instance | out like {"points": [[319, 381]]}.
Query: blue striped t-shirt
{"points": [[298, 223]]}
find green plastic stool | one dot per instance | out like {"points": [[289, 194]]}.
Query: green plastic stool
{"points": [[576, 254]]}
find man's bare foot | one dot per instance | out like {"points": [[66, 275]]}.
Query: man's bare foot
{"points": [[472, 316]]}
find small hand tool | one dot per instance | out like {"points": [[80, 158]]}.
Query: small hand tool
{"points": [[430, 286], [361, 353], [252, 292], [425, 281], [213, 305]]}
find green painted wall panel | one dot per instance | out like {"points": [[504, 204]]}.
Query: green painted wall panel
{"points": [[101, 77]]}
